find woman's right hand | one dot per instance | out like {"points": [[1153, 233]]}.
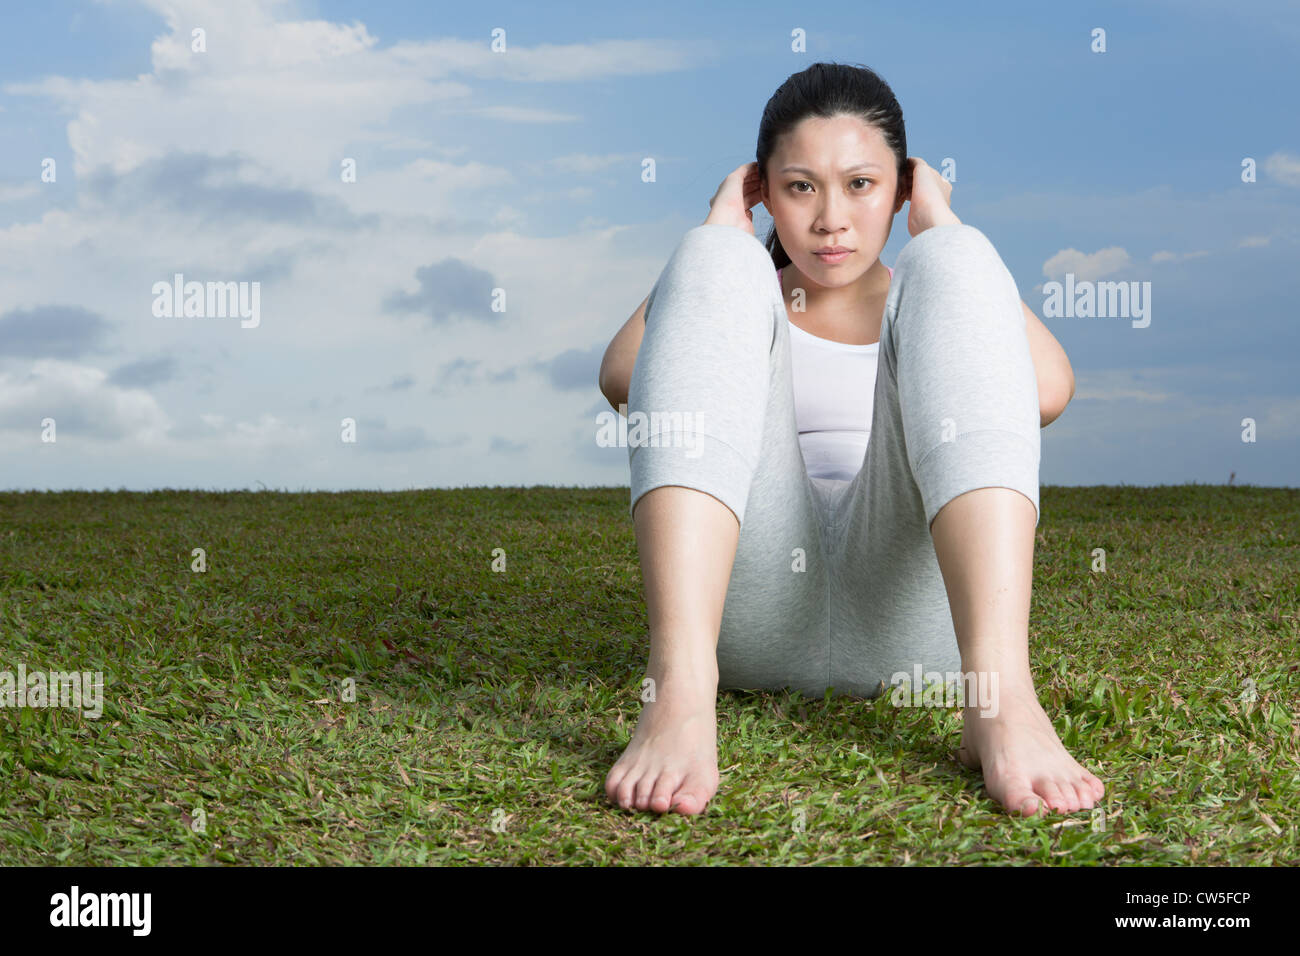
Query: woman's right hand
{"points": [[738, 194]]}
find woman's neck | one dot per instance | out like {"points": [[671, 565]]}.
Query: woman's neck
{"points": [[842, 304]]}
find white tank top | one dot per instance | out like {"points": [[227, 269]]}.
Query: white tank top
{"points": [[834, 391]]}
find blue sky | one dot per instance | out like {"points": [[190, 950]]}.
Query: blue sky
{"points": [[523, 171]]}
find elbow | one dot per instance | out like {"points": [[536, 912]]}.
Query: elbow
{"points": [[608, 387], [617, 400], [1067, 387], [602, 377], [1065, 379], [1053, 398]]}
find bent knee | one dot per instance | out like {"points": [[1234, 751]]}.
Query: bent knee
{"points": [[945, 249], [747, 258]]}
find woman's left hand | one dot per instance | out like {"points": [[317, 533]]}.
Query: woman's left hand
{"points": [[928, 201]]}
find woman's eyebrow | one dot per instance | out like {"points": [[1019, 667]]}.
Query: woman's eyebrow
{"points": [[849, 169]]}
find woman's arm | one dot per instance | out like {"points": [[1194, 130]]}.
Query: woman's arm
{"points": [[1055, 376], [1051, 365], [620, 357], [930, 204]]}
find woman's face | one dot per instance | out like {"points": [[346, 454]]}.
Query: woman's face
{"points": [[832, 182]]}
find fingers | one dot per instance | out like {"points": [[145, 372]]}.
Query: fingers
{"points": [[740, 176], [753, 187], [744, 180]]}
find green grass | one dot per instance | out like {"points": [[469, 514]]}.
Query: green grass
{"points": [[504, 698]]}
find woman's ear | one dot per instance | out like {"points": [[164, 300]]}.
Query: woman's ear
{"points": [[904, 191]]}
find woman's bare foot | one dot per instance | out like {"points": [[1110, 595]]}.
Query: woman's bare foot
{"points": [[1024, 762], [672, 761]]}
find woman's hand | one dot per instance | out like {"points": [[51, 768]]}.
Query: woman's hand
{"points": [[929, 197], [731, 204]]}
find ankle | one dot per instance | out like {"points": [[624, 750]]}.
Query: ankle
{"points": [[999, 692], [691, 676], [1013, 678]]}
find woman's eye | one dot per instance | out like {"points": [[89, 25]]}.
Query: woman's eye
{"points": [[860, 179]]}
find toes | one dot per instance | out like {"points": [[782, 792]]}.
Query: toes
{"points": [[1020, 798], [1069, 800], [612, 781], [1073, 795], [1076, 796], [1032, 805], [690, 801], [661, 797], [644, 787], [1098, 788], [626, 790], [1089, 788], [1056, 800], [1069, 795]]}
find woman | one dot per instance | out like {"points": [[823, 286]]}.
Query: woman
{"points": [[781, 548]]}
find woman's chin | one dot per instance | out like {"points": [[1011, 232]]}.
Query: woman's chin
{"points": [[834, 276]]}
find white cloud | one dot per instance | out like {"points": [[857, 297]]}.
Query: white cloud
{"points": [[82, 403], [267, 431], [519, 114], [1280, 419], [1116, 385], [225, 165], [20, 191], [1164, 255], [584, 163], [552, 62], [1284, 167], [286, 94], [219, 435], [1086, 266]]}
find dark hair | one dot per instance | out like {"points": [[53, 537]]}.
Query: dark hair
{"points": [[826, 90]]}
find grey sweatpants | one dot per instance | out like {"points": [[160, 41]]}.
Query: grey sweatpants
{"points": [[835, 583]]}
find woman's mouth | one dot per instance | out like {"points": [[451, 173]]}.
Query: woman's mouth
{"points": [[832, 257]]}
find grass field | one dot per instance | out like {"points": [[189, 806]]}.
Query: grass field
{"points": [[489, 706]]}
